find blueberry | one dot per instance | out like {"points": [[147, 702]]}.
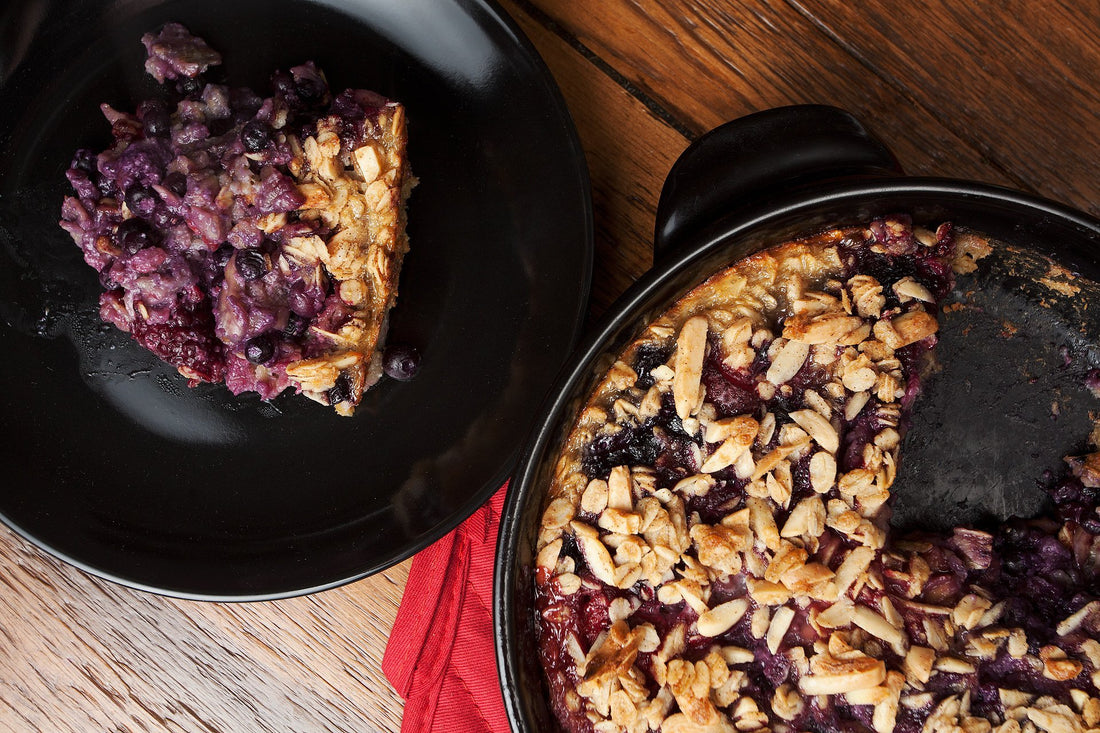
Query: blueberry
{"points": [[255, 136], [163, 218], [175, 182], [222, 255], [260, 349], [189, 87], [250, 264], [282, 83], [401, 362], [141, 199], [341, 391], [84, 160], [155, 118], [106, 186], [295, 325], [310, 91], [134, 235]]}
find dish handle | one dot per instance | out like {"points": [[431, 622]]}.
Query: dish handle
{"points": [[756, 157]]}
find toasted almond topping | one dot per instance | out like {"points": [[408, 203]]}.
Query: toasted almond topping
{"points": [[857, 482], [831, 676], [1091, 649], [807, 518], [822, 472], [819, 428], [1074, 621], [1056, 666], [825, 328], [788, 556], [741, 437], [781, 621], [568, 583], [953, 665], [594, 498], [688, 364], [768, 594], [1054, 719], [918, 663], [787, 703], [620, 522], [722, 617], [855, 405], [558, 513], [909, 289], [812, 579], [969, 610], [595, 553], [876, 625], [1090, 712], [619, 494], [698, 484], [1017, 643], [913, 326], [761, 620], [736, 655], [836, 616], [853, 566], [763, 522], [787, 362], [548, 555]]}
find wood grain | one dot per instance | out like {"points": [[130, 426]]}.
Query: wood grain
{"points": [[1024, 93], [998, 90], [81, 654], [629, 152], [707, 61]]}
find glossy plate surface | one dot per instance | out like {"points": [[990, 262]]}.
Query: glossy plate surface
{"points": [[111, 462]]}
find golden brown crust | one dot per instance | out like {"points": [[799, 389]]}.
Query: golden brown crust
{"points": [[360, 194]]}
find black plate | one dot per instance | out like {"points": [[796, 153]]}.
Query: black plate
{"points": [[111, 462]]}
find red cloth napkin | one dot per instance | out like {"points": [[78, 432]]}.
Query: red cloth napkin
{"points": [[440, 656]]}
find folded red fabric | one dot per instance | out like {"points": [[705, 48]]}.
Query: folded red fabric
{"points": [[440, 654]]}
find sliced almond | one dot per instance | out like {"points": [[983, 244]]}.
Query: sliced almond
{"points": [[822, 472], [595, 552], [728, 453], [830, 676], [780, 623], [619, 494], [825, 328], [787, 362], [742, 427], [836, 616], [877, 626], [807, 518], [1074, 621], [548, 555], [913, 326], [819, 428], [917, 665], [691, 347], [722, 617], [594, 498], [853, 566]]}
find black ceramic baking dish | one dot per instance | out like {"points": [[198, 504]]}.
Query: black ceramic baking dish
{"points": [[1009, 401]]}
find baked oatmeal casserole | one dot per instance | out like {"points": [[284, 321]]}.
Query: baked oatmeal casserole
{"points": [[715, 551]]}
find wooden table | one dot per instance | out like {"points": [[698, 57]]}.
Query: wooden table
{"points": [[1004, 91]]}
